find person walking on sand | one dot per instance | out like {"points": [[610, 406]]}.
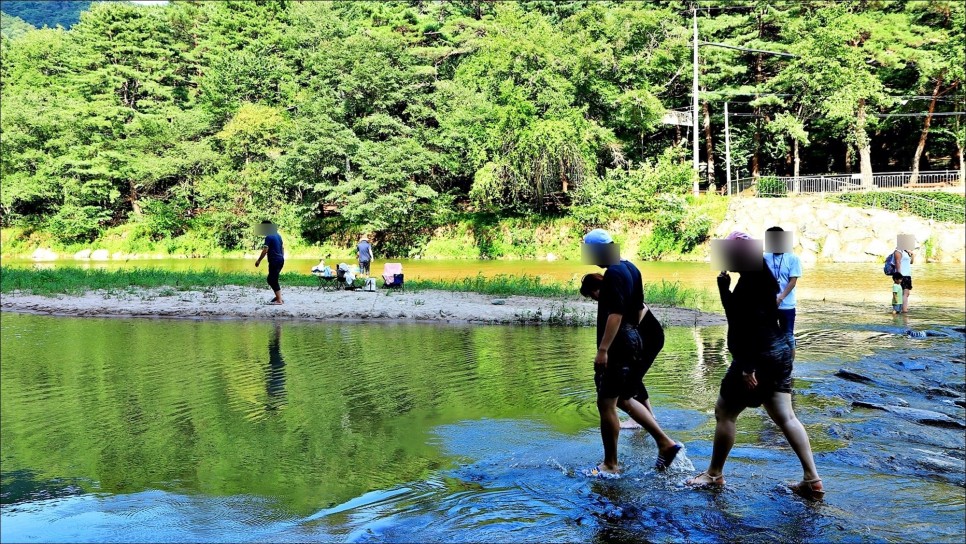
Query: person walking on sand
{"points": [[276, 258], [619, 365], [787, 268], [760, 374], [904, 261], [364, 253]]}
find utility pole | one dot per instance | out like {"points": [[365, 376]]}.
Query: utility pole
{"points": [[694, 100], [727, 150]]}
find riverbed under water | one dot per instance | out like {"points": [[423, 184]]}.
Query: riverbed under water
{"points": [[175, 430]]}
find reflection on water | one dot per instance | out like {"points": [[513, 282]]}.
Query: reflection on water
{"points": [[276, 370], [212, 431]]}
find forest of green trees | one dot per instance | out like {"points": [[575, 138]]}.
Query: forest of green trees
{"points": [[50, 13], [194, 120]]}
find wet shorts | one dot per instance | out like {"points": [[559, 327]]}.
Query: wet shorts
{"points": [[773, 371], [623, 375], [906, 282]]}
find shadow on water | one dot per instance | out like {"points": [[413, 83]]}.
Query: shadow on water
{"points": [[182, 431]]}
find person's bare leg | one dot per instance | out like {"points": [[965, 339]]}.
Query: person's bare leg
{"points": [[645, 417], [724, 439], [905, 301], [278, 297], [610, 428], [779, 408], [647, 404]]}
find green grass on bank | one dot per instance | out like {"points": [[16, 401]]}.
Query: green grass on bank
{"points": [[937, 205], [72, 281]]}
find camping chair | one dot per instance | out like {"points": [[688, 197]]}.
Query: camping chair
{"points": [[327, 282], [325, 275], [327, 278], [392, 276]]}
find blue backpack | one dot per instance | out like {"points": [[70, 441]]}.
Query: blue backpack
{"points": [[889, 268]]}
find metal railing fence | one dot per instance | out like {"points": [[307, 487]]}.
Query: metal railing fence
{"points": [[770, 186]]}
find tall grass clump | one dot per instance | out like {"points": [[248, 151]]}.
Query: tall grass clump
{"points": [[77, 280], [500, 285]]}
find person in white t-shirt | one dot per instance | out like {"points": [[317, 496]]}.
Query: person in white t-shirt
{"points": [[787, 268], [904, 261]]}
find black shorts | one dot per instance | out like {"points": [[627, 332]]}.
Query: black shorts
{"points": [[773, 371], [906, 283], [622, 377]]}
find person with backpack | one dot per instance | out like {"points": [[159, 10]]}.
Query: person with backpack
{"points": [[620, 363], [903, 263]]}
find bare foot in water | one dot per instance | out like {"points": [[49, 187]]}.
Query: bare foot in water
{"points": [[706, 480], [630, 424]]}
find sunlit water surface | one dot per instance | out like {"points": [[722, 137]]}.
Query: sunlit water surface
{"points": [[163, 430]]}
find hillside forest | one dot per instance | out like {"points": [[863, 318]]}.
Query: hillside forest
{"points": [[180, 126]]}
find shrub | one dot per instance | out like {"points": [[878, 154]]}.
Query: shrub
{"points": [[161, 219], [74, 223], [771, 187], [676, 229], [633, 191]]}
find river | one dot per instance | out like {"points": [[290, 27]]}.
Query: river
{"points": [[163, 431], [938, 285]]}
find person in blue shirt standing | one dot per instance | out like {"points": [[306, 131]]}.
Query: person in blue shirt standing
{"points": [[273, 249], [364, 253], [787, 268]]}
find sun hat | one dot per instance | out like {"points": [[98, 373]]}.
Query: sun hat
{"points": [[738, 235], [598, 236], [364, 238]]}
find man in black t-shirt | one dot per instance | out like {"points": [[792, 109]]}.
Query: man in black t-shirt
{"points": [[619, 365]]}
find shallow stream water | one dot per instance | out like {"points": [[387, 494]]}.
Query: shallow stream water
{"points": [[164, 430]]}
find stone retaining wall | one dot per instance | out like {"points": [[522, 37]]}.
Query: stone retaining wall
{"points": [[832, 232]]}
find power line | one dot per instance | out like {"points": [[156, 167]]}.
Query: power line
{"points": [[726, 46], [884, 115], [934, 114]]}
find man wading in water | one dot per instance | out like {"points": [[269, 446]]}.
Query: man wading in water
{"points": [[619, 365]]}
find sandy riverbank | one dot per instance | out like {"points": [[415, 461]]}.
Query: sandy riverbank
{"points": [[232, 302]]}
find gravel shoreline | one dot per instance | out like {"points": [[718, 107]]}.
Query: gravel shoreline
{"points": [[234, 302]]}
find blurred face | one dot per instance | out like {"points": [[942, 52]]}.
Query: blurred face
{"points": [[736, 255]]}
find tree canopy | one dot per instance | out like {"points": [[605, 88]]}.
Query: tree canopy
{"points": [[209, 116]]}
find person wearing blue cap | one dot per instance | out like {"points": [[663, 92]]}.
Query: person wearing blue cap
{"points": [[621, 359]]}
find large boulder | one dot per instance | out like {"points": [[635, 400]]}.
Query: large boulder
{"points": [[100, 255], [43, 254], [82, 255], [831, 247]]}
